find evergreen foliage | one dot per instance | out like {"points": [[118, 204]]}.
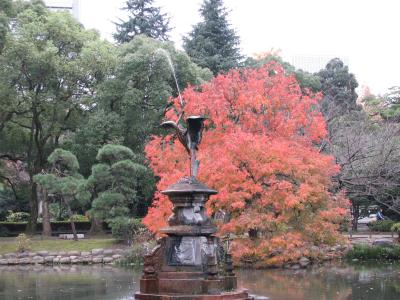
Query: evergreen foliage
{"points": [[144, 18], [212, 43], [118, 184]]}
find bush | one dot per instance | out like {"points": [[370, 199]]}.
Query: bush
{"points": [[23, 243], [365, 252], [137, 252], [17, 216], [80, 218], [381, 226], [124, 229], [4, 232]]}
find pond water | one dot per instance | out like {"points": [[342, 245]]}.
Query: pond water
{"points": [[336, 282]]}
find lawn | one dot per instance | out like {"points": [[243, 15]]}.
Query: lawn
{"points": [[8, 245]]}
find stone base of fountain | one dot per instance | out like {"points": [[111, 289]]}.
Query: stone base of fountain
{"points": [[185, 264]]}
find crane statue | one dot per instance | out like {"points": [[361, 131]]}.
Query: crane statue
{"points": [[190, 137]]}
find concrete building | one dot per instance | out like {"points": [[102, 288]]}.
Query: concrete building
{"points": [[314, 63], [70, 5]]}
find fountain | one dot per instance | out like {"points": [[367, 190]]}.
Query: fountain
{"points": [[185, 263]]}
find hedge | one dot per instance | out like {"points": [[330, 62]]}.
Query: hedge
{"points": [[57, 227], [381, 226]]}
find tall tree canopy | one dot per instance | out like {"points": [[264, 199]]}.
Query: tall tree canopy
{"points": [[49, 69], [339, 89], [259, 152], [212, 43], [131, 103], [144, 18]]}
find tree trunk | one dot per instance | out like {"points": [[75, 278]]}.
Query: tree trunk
{"points": [[355, 214], [45, 214], [33, 206], [70, 214], [96, 226]]}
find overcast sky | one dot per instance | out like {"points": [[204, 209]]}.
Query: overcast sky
{"points": [[364, 33]]}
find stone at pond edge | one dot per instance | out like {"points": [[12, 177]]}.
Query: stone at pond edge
{"points": [[108, 252], [49, 259], [38, 259], [43, 253], [73, 253], [97, 251], [107, 260], [383, 243], [98, 259], [304, 262], [65, 260]]}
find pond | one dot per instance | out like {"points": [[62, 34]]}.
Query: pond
{"points": [[336, 282]]}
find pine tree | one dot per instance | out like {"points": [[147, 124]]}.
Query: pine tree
{"points": [[212, 43], [144, 19]]}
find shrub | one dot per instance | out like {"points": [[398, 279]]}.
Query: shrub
{"points": [[17, 216], [23, 243], [80, 218], [137, 252], [381, 226], [124, 229], [396, 228], [4, 232], [365, 252]]}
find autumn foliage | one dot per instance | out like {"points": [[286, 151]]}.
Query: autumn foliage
{"points": [[259, 150]]}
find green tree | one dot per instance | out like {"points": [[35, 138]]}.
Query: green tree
{"points": [[144, 18], [339, 89], [49, 69], [306, 80], [139, 91], [64, 181], [118, 184], [212, 43]]}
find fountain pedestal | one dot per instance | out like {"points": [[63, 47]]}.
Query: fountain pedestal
{"points": [[185, 264]]}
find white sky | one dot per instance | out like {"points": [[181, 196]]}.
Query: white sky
{"points": [[365, 33]]}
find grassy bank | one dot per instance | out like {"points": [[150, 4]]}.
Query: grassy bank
{"points": [[8, 245], [366, 252]]}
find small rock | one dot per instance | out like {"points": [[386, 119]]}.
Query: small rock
{"points": [[12, 261], [49, 259], [97, 259], [43, 253], [10, 255], [53, 254], [117, 256], [62, 253], [73, 257], [295, 267], [3, 262], [86, 259], [75, 260], [32, 254], [354, 259], [24, 261], [107, 260], [65, 260], [85, 253], [108, 252], [56, 260], [304, 262], [97, 251], [383, 243], [38, 259], [118, 251], [73, 253], [23, 254]]}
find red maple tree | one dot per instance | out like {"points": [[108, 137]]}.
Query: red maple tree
{"points": [[259, 150]]}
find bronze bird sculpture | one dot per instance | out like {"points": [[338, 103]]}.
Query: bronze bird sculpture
{"points": [[190, 137]]}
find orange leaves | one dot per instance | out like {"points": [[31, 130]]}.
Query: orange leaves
{"points": [[258, 152]]}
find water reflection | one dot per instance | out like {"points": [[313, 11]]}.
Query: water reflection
{"points": [[336, 282], [66, 282], [333, 282]]}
